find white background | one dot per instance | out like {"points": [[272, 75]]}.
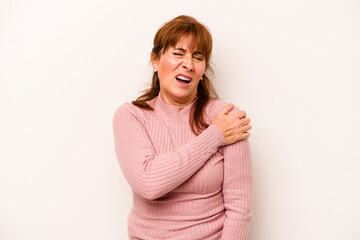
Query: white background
{"points": [[65, 66]]}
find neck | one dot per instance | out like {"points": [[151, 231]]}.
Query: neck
{"points": [[181, 103]]}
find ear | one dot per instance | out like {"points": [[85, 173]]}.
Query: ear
{"points": [[154, 61]]}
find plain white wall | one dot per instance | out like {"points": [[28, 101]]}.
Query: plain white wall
{"points": [[65, 66]]}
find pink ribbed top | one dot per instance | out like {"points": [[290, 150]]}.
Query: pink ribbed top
{"points": [[184, 186]]}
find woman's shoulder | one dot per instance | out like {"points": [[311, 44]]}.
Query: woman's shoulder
{"points": [[125, 108], [130, 107], [215, 105], [129, 111]]}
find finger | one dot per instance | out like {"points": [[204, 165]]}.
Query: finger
{"points": [[241, 114], [246, 135], [225, 110], [244, 121], [246, 128]]}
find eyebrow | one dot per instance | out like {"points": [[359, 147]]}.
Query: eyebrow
{"points": [[180, 49], [198, 52], [183, 50]]}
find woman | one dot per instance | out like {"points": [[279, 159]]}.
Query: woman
{"points": [[183, 152]]}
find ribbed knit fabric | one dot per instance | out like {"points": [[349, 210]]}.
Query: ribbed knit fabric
{"points": [[184, 186]]}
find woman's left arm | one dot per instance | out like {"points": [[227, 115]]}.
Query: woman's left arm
{"points": [[237, 190]]}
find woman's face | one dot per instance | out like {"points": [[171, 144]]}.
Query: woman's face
{"points": [[180, 70]]}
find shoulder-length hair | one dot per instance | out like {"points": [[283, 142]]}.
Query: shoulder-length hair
{"points": [[168, 36]]}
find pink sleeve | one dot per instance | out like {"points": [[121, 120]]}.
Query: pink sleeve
{"points": [[237, 190], [152, 175]]}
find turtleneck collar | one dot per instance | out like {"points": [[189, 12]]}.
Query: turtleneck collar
{"points": [[172, 112]]}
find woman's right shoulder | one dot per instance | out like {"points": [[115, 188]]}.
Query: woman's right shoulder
{"points": [[128, 110], [124, 109]]}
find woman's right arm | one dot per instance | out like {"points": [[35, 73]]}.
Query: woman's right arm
{"points": [[152, 175]]}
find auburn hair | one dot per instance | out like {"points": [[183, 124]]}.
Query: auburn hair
{"points": [[168, 36]]}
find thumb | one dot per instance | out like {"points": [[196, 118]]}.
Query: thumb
{"points": [[226, 109]]}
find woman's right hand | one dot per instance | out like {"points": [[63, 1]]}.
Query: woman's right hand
{"points": [[234, 127]]}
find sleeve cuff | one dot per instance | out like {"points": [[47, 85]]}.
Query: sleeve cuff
{"points": [[217, 134]]}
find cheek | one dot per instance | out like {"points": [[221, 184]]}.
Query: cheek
{"points": [[168, 64], [201, 69]]}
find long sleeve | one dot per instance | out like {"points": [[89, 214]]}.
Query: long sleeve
{"points": [[152, 175], [237, 191]]}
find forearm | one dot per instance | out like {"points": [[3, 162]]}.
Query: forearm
{"points": [[152, 175], [156, 175], [237, 222]]}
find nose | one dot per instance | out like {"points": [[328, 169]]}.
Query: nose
{"points": [[188, 63]]}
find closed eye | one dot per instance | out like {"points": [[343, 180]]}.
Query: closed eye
{"points": [[198, 57]]}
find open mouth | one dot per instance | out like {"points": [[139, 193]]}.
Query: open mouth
{"points": [[183, 79]]}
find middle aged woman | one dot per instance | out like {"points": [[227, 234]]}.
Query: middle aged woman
{"points": [[184, 153]]}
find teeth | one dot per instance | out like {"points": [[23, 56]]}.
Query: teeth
{"points": [[183, 78]]}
